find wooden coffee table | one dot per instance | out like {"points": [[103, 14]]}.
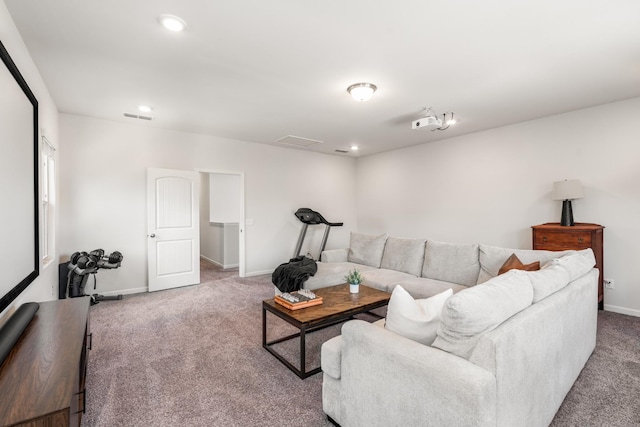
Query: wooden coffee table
{"points": [[338, 306]]}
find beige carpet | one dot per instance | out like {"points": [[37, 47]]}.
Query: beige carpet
{"points": [[193, 357]]}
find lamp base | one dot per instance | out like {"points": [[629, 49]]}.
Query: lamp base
{"points": [[567, 214]]}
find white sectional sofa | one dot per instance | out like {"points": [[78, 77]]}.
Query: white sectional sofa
{"points": [[423, 267], [508, 347]]}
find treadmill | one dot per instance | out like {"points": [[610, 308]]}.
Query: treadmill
{"points": [[310, 217]]}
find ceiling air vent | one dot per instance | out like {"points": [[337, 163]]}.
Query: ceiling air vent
{"points": [[297, 141], [137, 116], [342, 151]]}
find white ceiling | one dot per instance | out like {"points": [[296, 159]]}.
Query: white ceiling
{"points": [[259, 70]]}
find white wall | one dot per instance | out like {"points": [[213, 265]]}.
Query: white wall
{"points": [[222, 245], [103, 168], [45, 287], [224, 200], [491, 187], [210, 246]]}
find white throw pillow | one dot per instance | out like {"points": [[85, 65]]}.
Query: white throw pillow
{"points": [[416, 319]]}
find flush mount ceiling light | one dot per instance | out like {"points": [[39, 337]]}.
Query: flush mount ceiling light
{"points": [[433, 122], [172, 23], [362, 91], [354, 148], [144, 108]]}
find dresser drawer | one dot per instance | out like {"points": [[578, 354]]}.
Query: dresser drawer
{"points": [[552, 240]]}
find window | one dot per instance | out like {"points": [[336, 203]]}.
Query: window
{"points": [[48, 200]]}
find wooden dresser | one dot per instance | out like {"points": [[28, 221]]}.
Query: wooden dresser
{"points": [[554, 237], [42, 380]]}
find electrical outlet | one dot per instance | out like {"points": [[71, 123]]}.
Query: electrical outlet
{"points": [[609, 284]]}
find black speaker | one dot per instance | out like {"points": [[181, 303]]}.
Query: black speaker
{"points": [[13, 328], [63, 276]]}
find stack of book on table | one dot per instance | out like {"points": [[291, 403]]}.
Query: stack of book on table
{"points": [[298, 299]]}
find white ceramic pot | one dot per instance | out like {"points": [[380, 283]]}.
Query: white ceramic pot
{"points": [[354, 289]]}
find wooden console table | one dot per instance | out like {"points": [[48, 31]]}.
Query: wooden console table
{"points": [[555, 237], [42, 380]]}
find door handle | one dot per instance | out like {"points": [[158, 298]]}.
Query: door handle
{"points": [[152, 235]]}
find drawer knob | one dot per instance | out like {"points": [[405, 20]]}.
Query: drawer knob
{"points": [[580, 239], [544, 238]]}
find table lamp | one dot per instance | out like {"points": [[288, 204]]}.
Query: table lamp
{"points": [[567, 191]]}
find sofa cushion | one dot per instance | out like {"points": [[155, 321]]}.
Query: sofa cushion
{"points": [[469, 314], [382, 278], [422, 287], [492, 258], [548, 280], [513, 262], [451, 262], [578, 264], [335, 255], [416, 319], [404, 255], [557, 273], [365, 249], [332, 273]]}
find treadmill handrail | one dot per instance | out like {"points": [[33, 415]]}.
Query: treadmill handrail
{"points": [[309, 216]]}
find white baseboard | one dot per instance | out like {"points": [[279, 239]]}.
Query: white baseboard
{"points": [[210, 260], [228, 266], [125, 291], [223, 266], [622, 310]]}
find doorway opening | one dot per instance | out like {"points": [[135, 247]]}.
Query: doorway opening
{"points": [[222, 244]]}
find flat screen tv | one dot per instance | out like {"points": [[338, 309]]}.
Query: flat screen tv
{"points": [[19, 240]]}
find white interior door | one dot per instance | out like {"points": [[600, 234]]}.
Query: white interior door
{"points": [[173, 233]]}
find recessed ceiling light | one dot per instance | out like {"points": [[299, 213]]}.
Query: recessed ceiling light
{"points": [[354, 148], [172, 23], [362, 91], [144, 108]]}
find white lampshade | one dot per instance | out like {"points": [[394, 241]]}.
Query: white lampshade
{"points": [[567, 190], [361, 91]]}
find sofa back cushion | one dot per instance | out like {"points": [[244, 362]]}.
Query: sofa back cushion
{"points": [[472, 312], [451, 262], [366, 249], [493, 257], [548, 280], [404, 255], [578, 264], [557, 273]]}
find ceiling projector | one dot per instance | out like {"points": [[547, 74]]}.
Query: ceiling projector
{"points": [[427, 122]]}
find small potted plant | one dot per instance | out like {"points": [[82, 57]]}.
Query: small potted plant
{"points": [[354, 278]]}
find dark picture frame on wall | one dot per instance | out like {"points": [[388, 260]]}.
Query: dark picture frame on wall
{"points": [[19, 230]]}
